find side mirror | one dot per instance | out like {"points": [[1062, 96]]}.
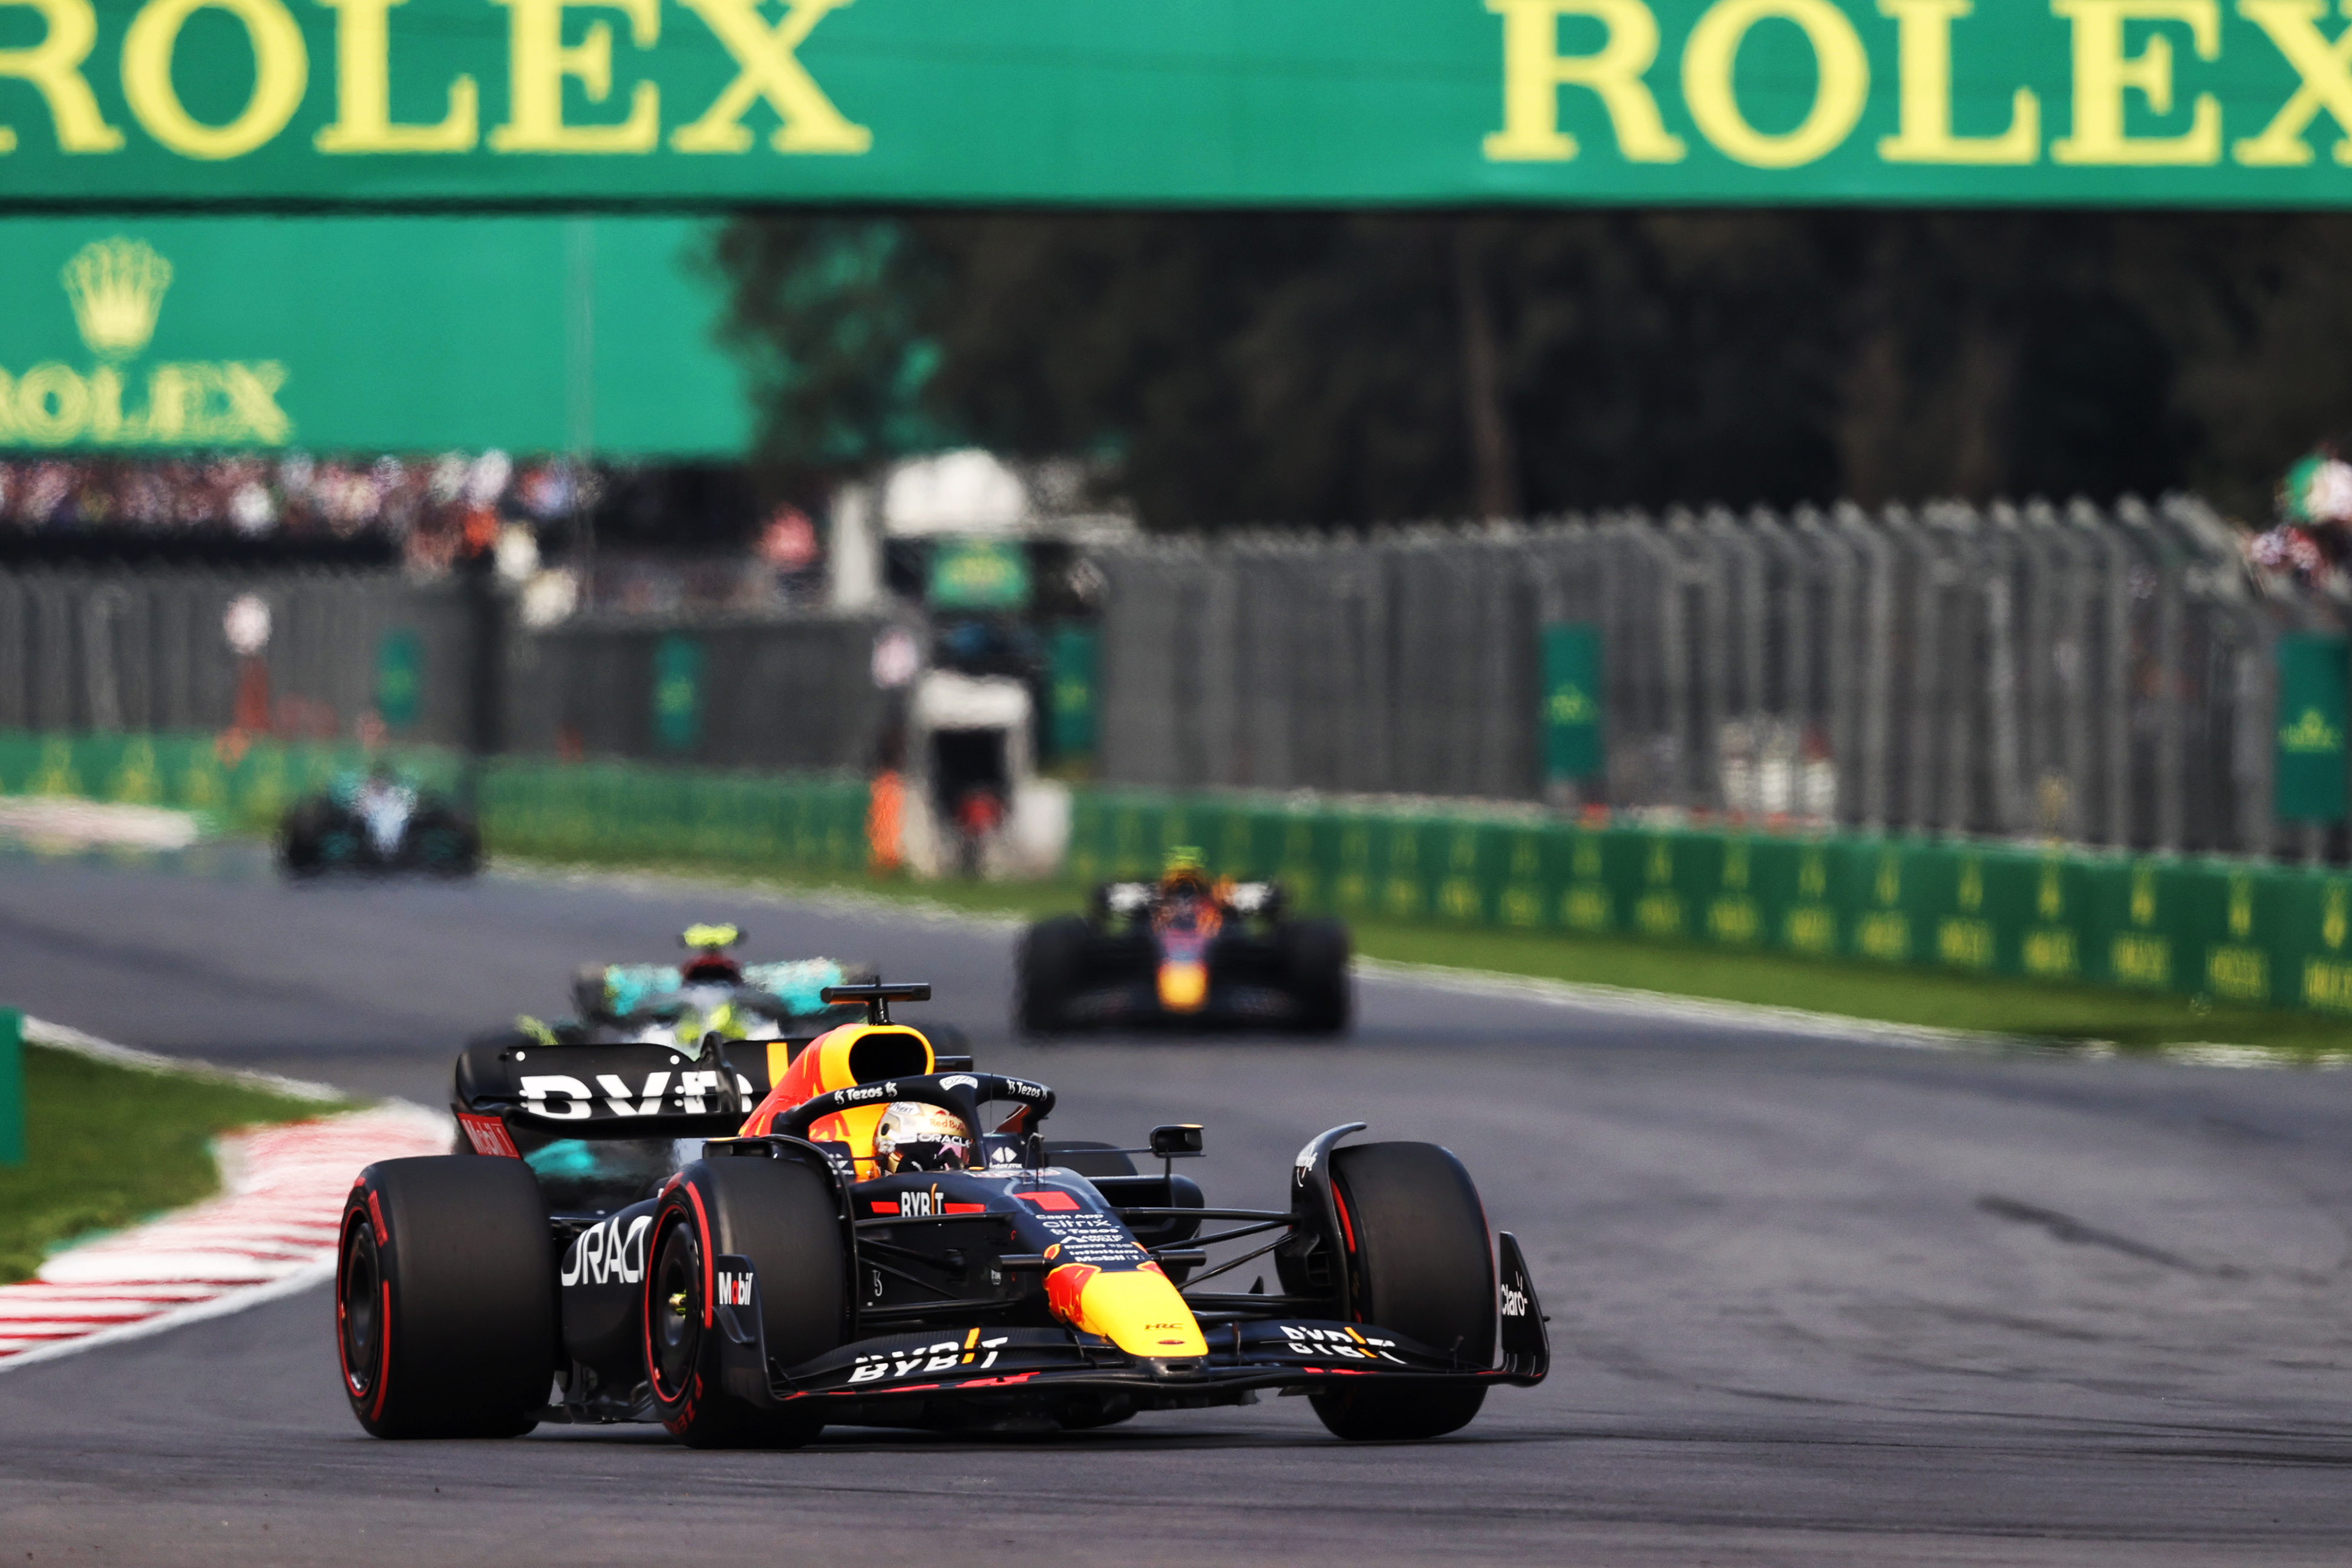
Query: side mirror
{"points": [[1185, 1137]]}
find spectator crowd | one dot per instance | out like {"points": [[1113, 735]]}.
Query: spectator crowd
{"points": [[431, 509]]}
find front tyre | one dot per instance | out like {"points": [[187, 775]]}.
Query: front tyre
{"points": [[1415, 1237], [783, 1217], [444, 1298]]}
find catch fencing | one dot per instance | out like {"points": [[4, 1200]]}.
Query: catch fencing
{"points": [[2101, 676], [144, 651]]}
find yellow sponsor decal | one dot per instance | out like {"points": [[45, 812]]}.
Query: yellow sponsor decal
{"points": [[2139, 959], [1965, 943], [2051, 953], [1885, 934], [1734, 920], [2239, 974], [1812, 928]]}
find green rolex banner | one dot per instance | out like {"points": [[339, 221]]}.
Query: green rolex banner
{"points": [[1074, 691], [2313, 676], [678, 693], [1572, 742], [2224, 103], [399, 677]]}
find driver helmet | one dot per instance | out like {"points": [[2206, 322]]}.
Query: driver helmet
{"points": [[912, 1136]]}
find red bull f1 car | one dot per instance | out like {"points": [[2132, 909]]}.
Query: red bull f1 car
{"points": [[1183, 950], [875, 1235]]}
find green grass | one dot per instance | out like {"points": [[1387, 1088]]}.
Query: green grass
{"points": [[109, 1145], [1885, 993]]}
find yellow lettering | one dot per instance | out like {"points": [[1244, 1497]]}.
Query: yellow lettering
{"points": [[282, 69], [1533, 70], [364, 121], [1924, 52], [2103, 74], [1839, 94], [767, 67], [538, 61], [53, 68], [52, 404], [2326, 71], [252, 391]]}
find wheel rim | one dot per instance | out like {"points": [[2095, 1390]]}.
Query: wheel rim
{"points": [[674, 1309], [358, 1297]]}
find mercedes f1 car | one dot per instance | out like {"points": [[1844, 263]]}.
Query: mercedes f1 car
{"points": [[712, 992], [1184, 950], [855, 1243], [378, 822]]}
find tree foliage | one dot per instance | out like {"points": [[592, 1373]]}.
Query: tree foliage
{"points": [[1347, 368]]}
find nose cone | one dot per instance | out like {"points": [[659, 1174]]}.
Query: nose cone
{"points": [[1183, 985], [1137, 1309]]}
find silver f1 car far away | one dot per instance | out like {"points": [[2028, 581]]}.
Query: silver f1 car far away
{"points": [[865, 1246]]}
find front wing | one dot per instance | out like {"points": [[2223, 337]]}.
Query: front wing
{"points": [[1003, 1365]]}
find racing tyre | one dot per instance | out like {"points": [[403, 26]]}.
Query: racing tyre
{"points": [[444, 1298], [783, 1217], [446, 844], [1053, 960], [1315, 962], [299, 848], [1418, 1257]]}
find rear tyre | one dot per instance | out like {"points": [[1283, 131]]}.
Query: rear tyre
{"points": [[1315, 963], [299, 850], [783, 1217], [1052, 958], [444, 1298], [1415, 1235], [446, 844]]}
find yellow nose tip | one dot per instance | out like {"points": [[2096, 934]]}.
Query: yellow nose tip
{"points": [[1183, 987]]}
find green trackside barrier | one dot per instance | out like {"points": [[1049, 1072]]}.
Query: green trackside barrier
{"points": [[623, 810], [599, 810], [12, 1087], [2236, 931], [242, 784]]}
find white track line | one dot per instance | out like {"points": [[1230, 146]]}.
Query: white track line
{"points": [[270, 1233], [1625, 1000], [60, 1038]]}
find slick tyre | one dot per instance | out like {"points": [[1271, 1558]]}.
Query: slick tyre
{"points": [[783, 1217], [446, 844], [299, 853], [444, 1298], [1419, 1261], [1053, 959], [1315, 965]]}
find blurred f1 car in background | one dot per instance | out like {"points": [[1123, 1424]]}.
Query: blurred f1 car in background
{"points": [[857, 1244], [377, 821], [1184, 950]]}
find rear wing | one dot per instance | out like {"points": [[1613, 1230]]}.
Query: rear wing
{"points": [[614, 1091]]}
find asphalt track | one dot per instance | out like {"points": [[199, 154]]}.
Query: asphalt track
{"points": [[1812, 1302]]}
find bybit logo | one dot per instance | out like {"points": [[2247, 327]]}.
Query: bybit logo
{"points": [[116, 287]]}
